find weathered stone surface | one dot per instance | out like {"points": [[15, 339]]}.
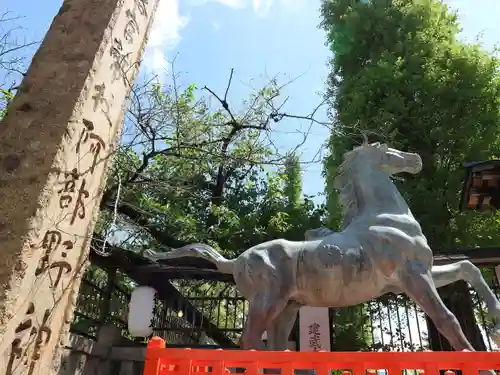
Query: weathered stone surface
{"points": [[55, 145], [84, 356]]}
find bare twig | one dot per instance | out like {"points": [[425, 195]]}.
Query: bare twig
{"points": [[159, 124]]}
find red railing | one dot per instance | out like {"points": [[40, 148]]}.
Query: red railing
{"points": [[162, 361]]}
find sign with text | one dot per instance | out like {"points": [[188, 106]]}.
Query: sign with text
{"points": [[314, 329]]}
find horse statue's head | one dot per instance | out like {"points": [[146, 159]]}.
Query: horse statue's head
{"points": [[379, 156], [367, 166]]}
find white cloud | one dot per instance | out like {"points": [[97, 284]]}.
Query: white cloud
{"points": [[298, 5], [164, 35], [262, 7], [229, 3]]}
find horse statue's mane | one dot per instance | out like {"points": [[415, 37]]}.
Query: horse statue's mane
{"points": [[349, 199]]}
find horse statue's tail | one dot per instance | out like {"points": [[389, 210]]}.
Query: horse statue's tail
{"points": [[195, 250]]}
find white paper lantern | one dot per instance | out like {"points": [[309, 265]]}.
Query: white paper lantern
{"points": [[140, 311]]}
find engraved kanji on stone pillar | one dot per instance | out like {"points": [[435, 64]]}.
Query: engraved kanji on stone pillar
{"points": [[56, 142]]}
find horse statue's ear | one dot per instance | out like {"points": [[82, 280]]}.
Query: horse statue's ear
{"points": [[383, 146]]}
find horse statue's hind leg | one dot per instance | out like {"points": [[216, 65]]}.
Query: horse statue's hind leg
{"points": [[271, 312], [269, 285], [263, 310], [279, 332], [465, 270]]}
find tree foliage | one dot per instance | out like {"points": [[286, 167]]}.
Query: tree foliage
{"points": [[401, 74], [192, 171], [13, 48]]}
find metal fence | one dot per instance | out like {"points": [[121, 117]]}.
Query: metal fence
{"points": [[102, 300], [222, 309], [387, 323]]}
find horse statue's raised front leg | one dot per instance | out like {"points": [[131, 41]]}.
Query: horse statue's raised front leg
{"points": [[465, 270], [418, 283]]}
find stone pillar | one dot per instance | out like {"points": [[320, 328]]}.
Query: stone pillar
{"points": [[56, 142], [107, 336]]}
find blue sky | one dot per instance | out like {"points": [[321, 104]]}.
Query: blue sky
{"points": [[276, 37]]}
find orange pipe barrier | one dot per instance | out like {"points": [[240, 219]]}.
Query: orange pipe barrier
{"points": [[165, 361]]}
